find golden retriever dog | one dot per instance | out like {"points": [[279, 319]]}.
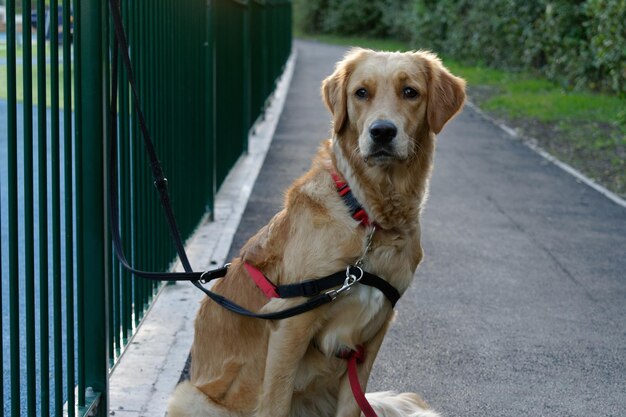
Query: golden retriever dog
{"points": [[386, 110]]}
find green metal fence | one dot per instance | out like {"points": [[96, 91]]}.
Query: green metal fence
{"points": [[205, 70]]}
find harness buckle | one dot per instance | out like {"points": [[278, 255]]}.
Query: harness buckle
{"points": [[350, 280]]}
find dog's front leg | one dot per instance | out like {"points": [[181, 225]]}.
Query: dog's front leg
{"points": [[346, 404], [288, 343]]}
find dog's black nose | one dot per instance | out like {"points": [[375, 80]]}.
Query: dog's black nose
{"points": [[383, 131]]}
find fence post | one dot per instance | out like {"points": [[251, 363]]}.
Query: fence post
{"points": [[232, 83], [93, 223], [209, 97]]}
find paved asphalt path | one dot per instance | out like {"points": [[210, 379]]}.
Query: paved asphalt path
{"points": [[519, 308]]}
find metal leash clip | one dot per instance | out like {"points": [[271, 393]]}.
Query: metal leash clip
{"points": [[350, 280]]}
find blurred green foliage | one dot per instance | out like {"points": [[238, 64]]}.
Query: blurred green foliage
{"points": [[579, 44]]}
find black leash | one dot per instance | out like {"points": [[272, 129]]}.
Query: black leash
{"points": [[314, 289]]}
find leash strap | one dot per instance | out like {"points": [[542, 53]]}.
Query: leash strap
{"points": [[315, 299], [160, 181], [161, 184], [357, 356]]}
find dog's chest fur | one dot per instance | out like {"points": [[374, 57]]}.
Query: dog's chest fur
{"points": [[358, 316], [355, 317], [352, 319]]}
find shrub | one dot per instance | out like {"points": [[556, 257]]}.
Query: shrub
{"points": [[309, 14], [606, 30], [577, 43], [374, 18]]}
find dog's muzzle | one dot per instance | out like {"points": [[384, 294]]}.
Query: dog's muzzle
{"points": [[383, 132]]}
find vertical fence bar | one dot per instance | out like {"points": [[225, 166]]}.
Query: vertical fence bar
{"points": [[247, 75], [211, 114], [126, 290], [14, 306], [117, 282], [142, 208], [55, 174], [125, 138], [139, 54], [68, 204], [94, 219], [106, 116], [145, 207], [140, 57], [29, 235], [258, 57], [232, 84], [157, 135], [115, 323], [152, 97], [78, 196], [115, 267], [42, 170]]}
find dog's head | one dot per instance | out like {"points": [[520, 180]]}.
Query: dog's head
{"points": [[389, 100]]}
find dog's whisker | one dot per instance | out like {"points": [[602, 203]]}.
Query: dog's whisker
{"points": [[356, 154], [415, 146]]}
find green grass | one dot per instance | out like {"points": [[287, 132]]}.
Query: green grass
{"points": [[20, 85], [584, 129], [20, 79], [522, 95], [554, 105], [3, 50]]}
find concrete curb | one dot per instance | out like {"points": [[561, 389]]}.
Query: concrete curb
{"points": [[532, 143], [149, 369]]}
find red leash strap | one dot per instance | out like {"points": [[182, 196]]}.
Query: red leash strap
{"points": [[357, 356]]}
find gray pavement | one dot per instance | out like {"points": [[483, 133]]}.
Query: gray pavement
{"points": [[519, 308]]}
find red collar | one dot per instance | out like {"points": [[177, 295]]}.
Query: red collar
{"points": [[357, 211]]}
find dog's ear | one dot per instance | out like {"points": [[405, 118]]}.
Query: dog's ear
{"points": [[446, 95], [334, 89]]}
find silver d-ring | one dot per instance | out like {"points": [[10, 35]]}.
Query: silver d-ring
{"points": [[202, 280], [354, 277], [202, 277]]}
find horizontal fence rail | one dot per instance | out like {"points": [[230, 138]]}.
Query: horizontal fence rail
{"points": [[205, 72]]}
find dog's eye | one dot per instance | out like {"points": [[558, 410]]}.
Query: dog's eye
{"points": [[410, 92], [361, 93]]}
